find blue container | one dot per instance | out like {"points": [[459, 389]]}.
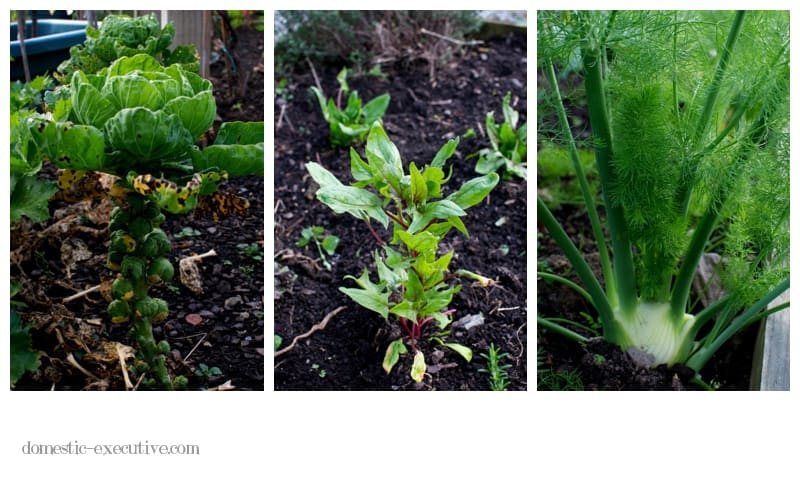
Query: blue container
{"points": [[49, 48]]}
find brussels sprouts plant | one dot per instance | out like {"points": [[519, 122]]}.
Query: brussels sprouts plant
{"points": [[413, 279], [139, 121]]}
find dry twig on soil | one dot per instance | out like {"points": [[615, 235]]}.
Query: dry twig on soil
{"points": [[316, 327]]}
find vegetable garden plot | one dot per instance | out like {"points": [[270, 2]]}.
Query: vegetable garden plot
{"points": [[688, 237], [209, 335], [350, 348]]}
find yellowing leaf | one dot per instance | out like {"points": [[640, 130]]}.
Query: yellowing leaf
{"points": [[418, 368], [464, 351], [393, 354]]}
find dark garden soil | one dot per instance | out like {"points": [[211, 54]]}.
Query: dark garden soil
{"points": [[67, 255], [347, 353]]}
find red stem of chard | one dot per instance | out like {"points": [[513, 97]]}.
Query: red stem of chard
{"points": [[397, 219], [375, 235]]}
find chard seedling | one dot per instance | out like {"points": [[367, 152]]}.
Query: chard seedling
{"points": [[353, 122], [509, 150], [326, 244], [139, 120], [413, 279], [690, 131]]}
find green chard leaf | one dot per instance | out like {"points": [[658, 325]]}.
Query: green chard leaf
{"points": [[383, 156], [463, 351], [445, 153], [443, 209], [474, 191], [371, 296], [360, 170], [419, 189], [375, 108]]}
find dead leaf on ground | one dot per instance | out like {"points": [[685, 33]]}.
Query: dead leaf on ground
{"points": [[226, 386], [190, 272], [190, 275], [73, 251]]}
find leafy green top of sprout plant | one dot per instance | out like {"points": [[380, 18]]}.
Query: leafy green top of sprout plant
{"points": [[124, 36], [353, 122], [689, 115], [139, 121], [412, 277], [509, 151]]}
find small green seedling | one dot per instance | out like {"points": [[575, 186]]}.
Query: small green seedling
{"points": [[282, 90], [188, 233], [509, 144], [353, 122], [326, 244], [252, 251], [204, 373], [322, 373], [555, 380], [498, 377]]}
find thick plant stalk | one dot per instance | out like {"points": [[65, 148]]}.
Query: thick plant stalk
{"points": [[150, 351], [138, 251], [588, 196], [604, 153]]}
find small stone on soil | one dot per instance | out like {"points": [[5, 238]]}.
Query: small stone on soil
{"points": [[232, 302]]}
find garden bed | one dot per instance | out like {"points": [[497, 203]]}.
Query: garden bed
{"points": [[67, 255], [422, 116]]}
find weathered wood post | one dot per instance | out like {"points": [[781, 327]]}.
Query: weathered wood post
{"points": [[193, 27], [771, 360]]}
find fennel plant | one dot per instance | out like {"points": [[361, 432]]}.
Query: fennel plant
{"points": [[689, 119]]}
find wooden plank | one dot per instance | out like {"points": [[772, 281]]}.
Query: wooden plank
{"points": [[192, 27], [771, 360]]}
